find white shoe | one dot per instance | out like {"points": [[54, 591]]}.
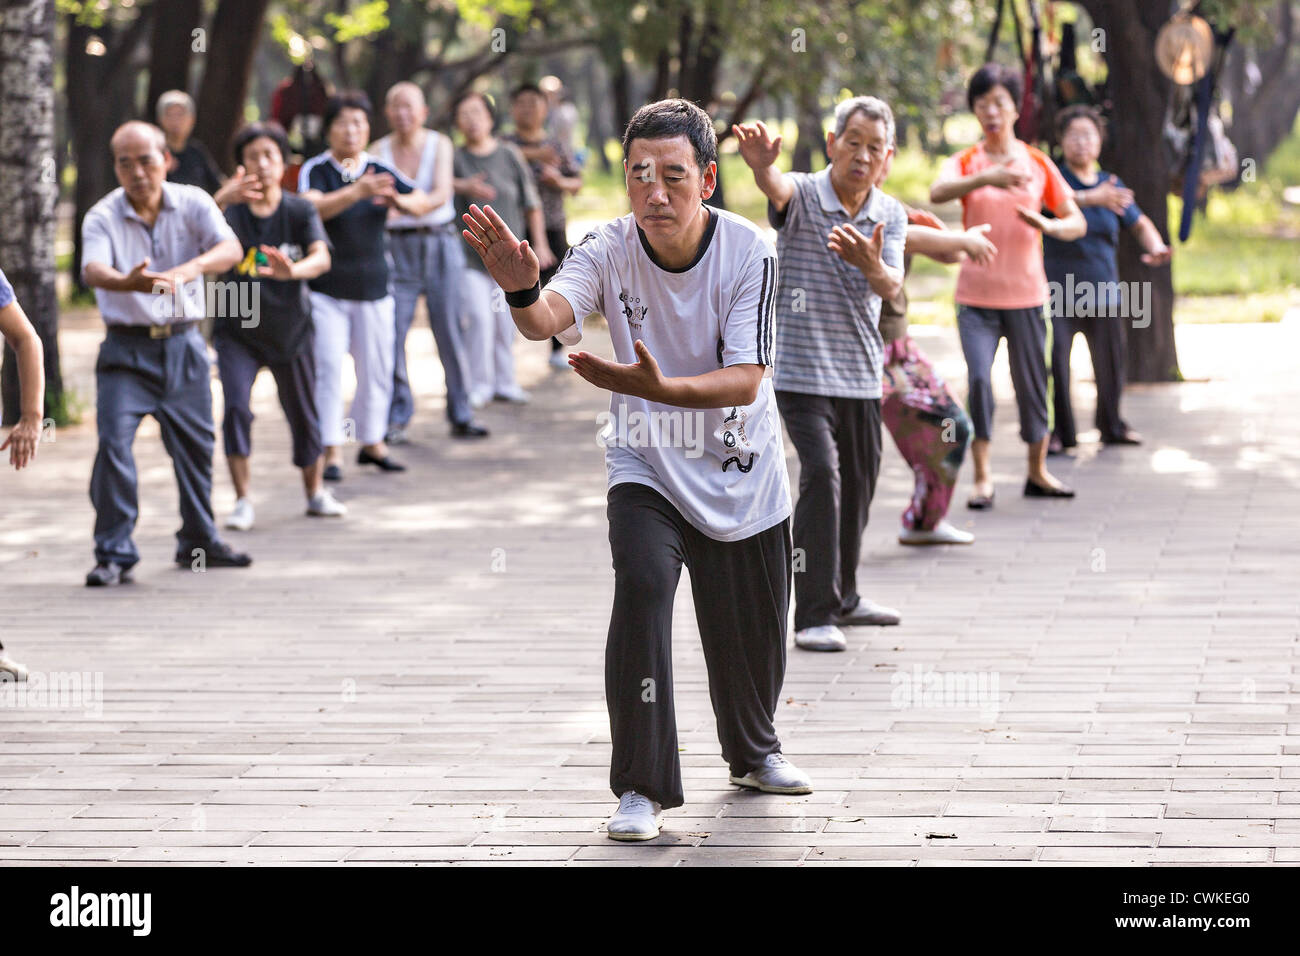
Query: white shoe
{"points": [[943, 533], [637, 818], [325, 505], [869, 613], [777, 775], [515, 396], [559, 358], [825, 637], [479, 399], [10, 669], [241, 519]]}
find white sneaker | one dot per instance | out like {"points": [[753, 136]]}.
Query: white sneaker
{"points": [[869, 613], [777, 775], [637, 818], [10, 669], [477, 399], [325, 505], [943, 533], [825, 637], [515, 396], [241, 519], [559, 358]]}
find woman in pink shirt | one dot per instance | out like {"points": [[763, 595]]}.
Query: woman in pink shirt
{"points": [[1005, 183]]}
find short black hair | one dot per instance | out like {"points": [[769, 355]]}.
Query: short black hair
{"points": [[1079, 111], [995, 74], [474, 95], [343, 100], [676, 117], [251, 131], [523, 88]]}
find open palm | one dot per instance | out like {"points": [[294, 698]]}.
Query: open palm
{"points": [[512, 264]]}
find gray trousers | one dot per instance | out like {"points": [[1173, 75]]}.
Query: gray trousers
{"points": [[1106, 344], [1029, 347], [169, 379], [742, 596], [429, 264], [839, 445]]}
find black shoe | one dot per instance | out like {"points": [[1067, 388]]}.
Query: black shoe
{"points": [[468, 430], [385, 464], [1130, 437], [1034, 490], [332, 473], [981, 502], [215, 554], [106, 574]]}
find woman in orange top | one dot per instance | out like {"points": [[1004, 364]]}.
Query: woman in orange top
{"points": [[1005, 183]]}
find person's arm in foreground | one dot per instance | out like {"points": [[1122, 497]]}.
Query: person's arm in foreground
{"points": [[759, 149], [514, 267], [17, 331]]}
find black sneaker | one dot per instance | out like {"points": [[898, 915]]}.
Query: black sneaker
{"points": [[332, 473], [215, 554], [107, 574], [468, 430]]}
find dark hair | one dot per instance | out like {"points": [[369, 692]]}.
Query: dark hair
{"points": [[523, 88], [994, 74], [474, 95], [343, 100], [668, 118], [1079, 111], [251, 131]]}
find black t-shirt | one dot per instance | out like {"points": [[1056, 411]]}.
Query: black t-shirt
{"points": [[283, 318], [360, 270], [196, 167]]}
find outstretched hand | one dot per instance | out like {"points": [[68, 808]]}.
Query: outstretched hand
{"points": [[511, 263], [643, 380], [856, 249]]}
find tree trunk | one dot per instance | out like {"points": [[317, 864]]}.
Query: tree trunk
{"points": [[812, 138], [236, 28], [28, 187], [1264, 116], [170, 47], [1140, 93]]}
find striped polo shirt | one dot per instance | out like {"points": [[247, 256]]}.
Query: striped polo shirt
{"points": [[827, 316]]}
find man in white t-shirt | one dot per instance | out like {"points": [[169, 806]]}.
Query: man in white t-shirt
{"points": [[694, 456]]}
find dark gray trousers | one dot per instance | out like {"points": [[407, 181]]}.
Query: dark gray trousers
{"points": [[839, 444], [169, 379], [1106, 344], [1029, 344], [742, 598]]}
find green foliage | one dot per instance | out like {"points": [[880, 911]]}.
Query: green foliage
{"points": [[361, 22], [68, 408]]}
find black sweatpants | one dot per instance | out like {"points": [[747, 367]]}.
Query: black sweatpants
{"points": [[838, 442], [742, 598], [1105, 338]]}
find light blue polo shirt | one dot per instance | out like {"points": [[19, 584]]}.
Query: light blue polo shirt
{"points": [[113, 234]]}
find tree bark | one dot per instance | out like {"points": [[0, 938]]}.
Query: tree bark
{"points": [[1140, 92], [29, 188], [236, 28], [170, 48]]}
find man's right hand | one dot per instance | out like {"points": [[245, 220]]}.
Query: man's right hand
{"points": [[757, 146], [140, 279], [512, 264]]}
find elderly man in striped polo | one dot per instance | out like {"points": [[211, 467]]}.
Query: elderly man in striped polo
{"points": [[840, 246]]}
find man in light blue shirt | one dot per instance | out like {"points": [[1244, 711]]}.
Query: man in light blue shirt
{"points": [[146, 247]]}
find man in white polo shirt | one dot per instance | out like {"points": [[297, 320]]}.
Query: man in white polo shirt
{"points": [[694, 457]]}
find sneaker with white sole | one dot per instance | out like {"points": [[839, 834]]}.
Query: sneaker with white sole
{"points": [[324, 505], [559, 358], [777, 775], [10, 669], [824, 637], [637, 818], [943, 533], [241, 519]]}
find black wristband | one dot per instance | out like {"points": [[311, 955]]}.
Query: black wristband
{"points": [[524, 297]]}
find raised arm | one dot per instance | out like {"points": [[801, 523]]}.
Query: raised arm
{"points": [[759, 149]]}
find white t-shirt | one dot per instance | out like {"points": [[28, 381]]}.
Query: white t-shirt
{"points": [[723, 469]]}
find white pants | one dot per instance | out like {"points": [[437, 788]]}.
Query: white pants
{"points": [[367, 330], [490, 334]]}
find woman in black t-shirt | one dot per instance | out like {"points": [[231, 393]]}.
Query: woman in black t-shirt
{"points": [[284, 246]]}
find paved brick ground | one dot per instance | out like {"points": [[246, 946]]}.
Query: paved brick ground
{"points": [[422, 682]]}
